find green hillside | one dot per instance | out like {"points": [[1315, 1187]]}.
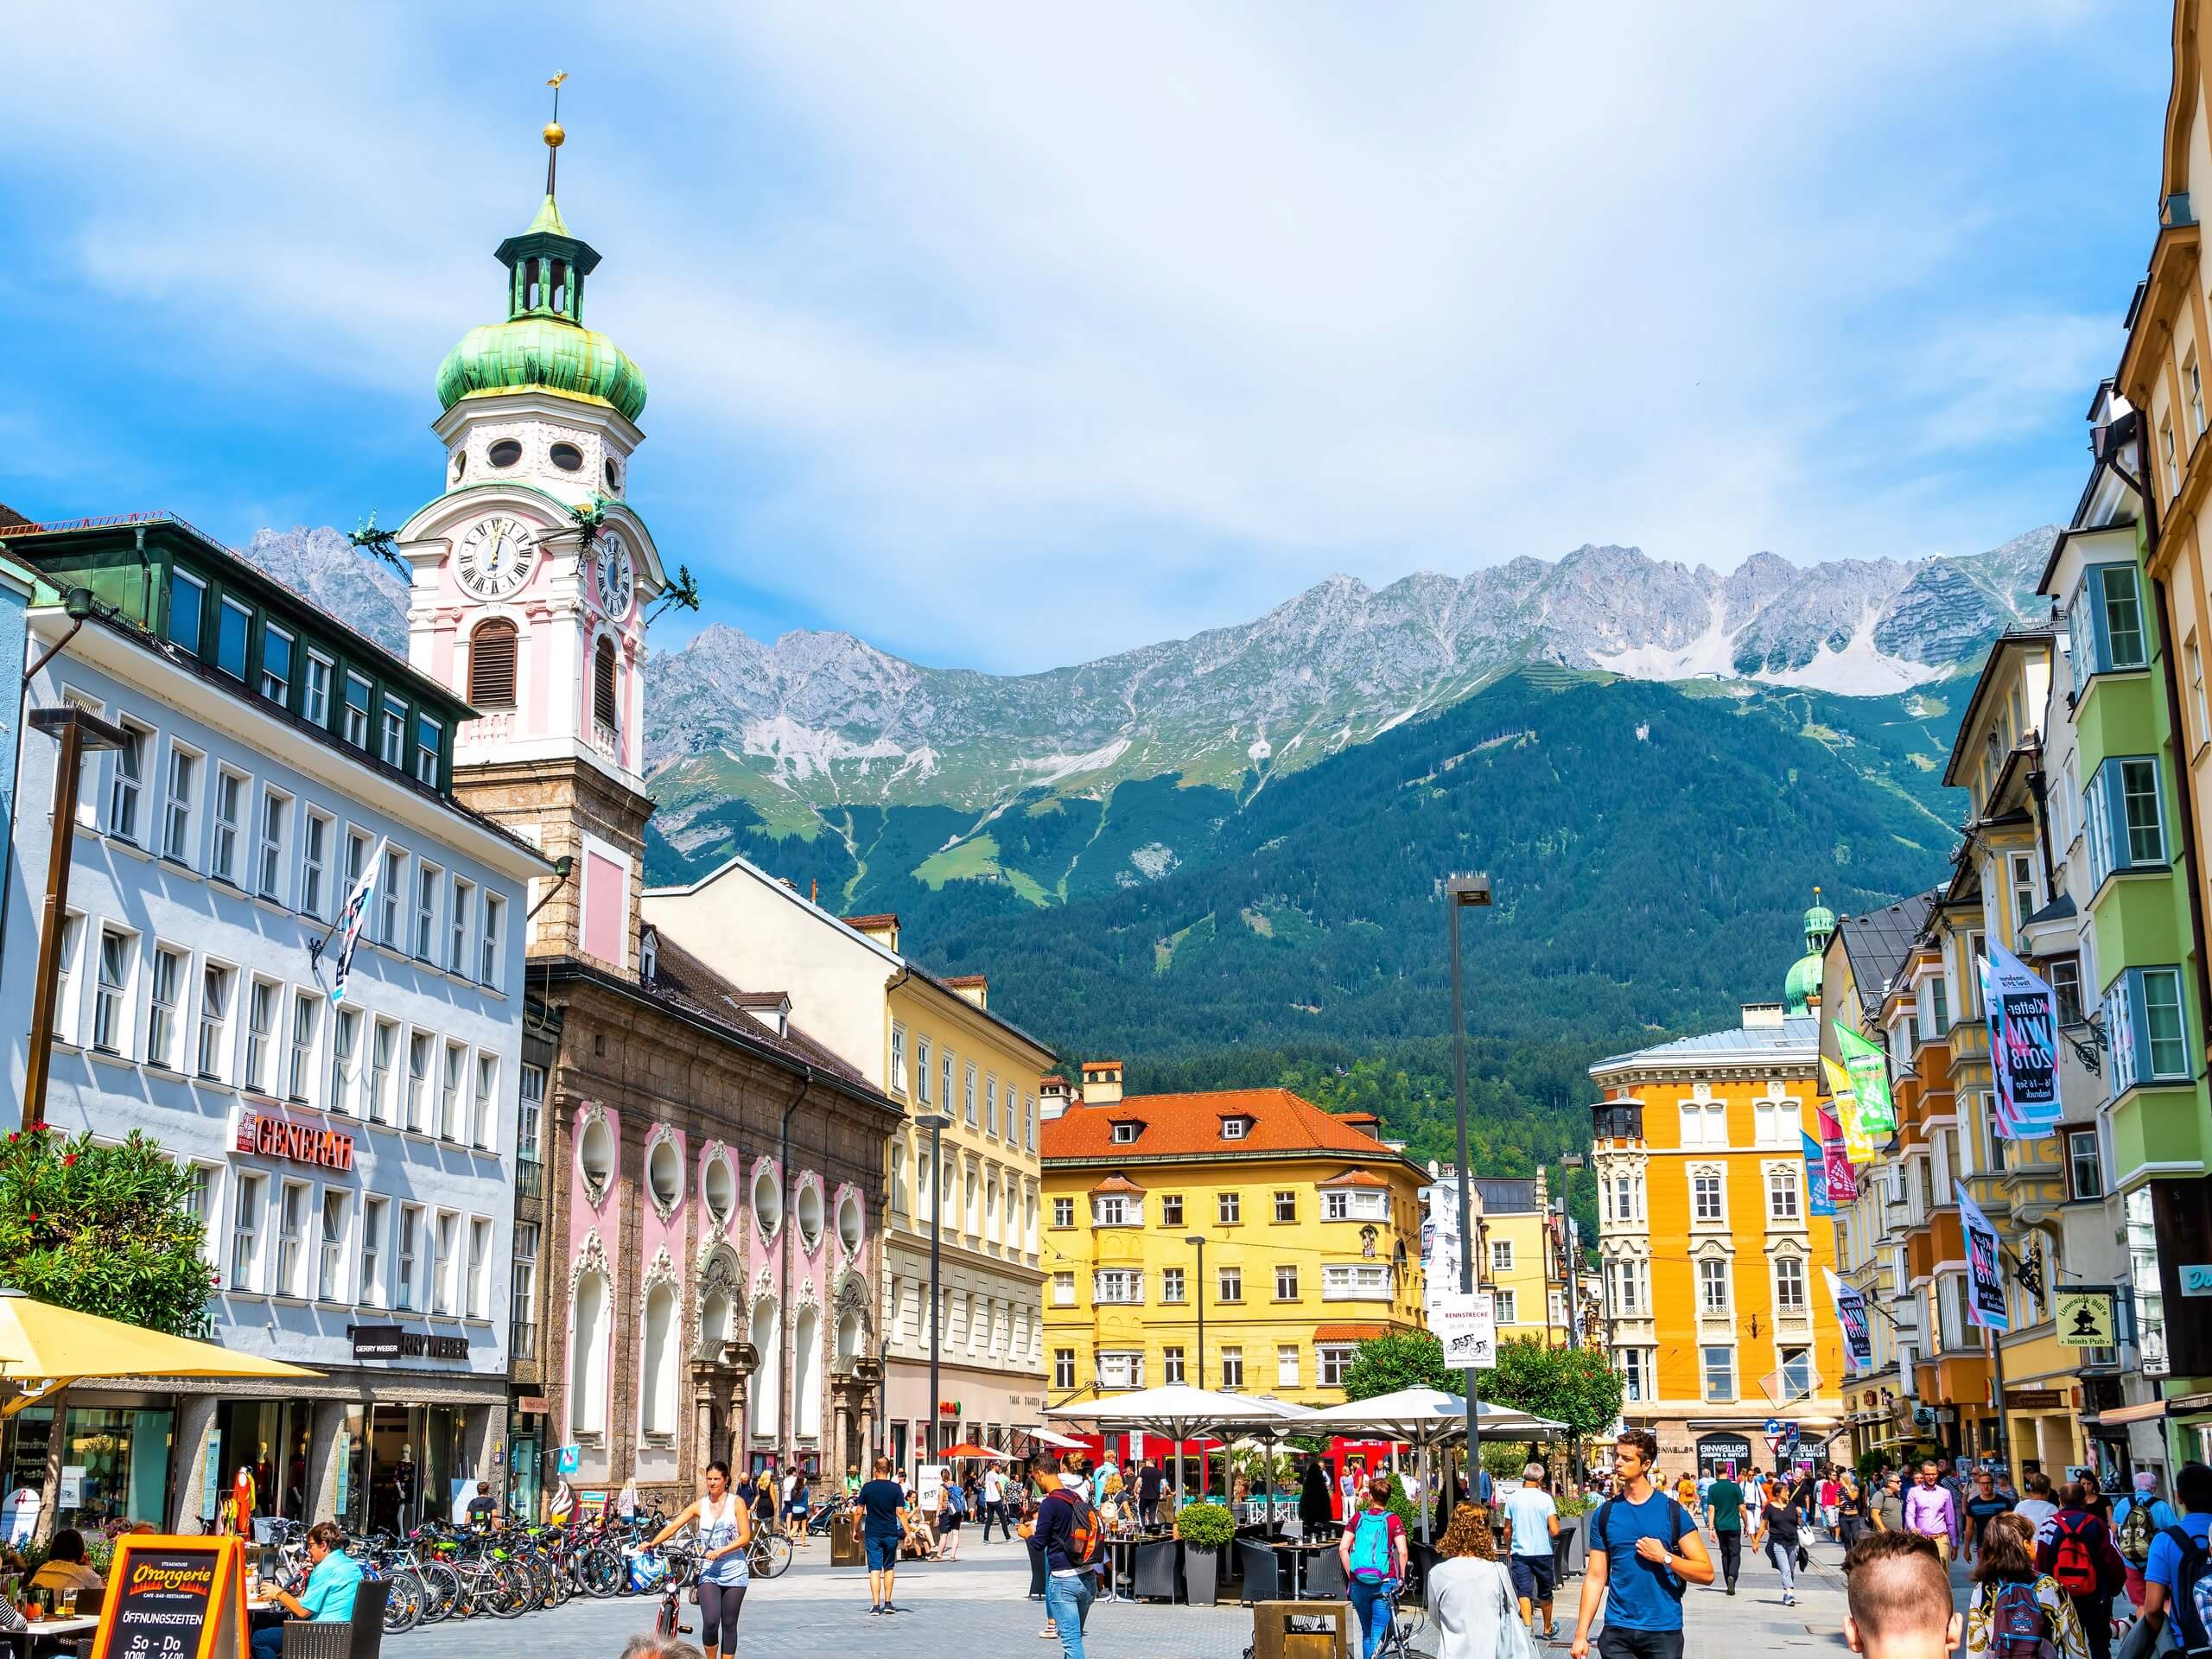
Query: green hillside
{"points": [[1652, 849]]}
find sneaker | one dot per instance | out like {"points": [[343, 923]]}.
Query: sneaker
{"points": [[1789, 1600], [875, 1612]]}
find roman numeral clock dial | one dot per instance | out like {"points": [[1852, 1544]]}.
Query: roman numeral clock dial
{"points": [[496, 558]]}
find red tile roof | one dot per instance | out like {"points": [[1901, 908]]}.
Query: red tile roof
{"points": [[1348, 1333], [967, 982], [861, 924], [1117, 1183], [1186, 1124], [1354, 1178]]}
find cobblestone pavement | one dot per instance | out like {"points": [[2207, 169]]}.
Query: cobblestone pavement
{"points": [[978, 1608]]}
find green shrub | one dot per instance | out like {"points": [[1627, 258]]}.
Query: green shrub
{"points": [[1204, 1526]]}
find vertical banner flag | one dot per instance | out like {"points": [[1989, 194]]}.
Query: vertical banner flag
{"points": [[1856, 1141], [1985, 1283], [1843, 1179], [354, 918], [2023, 1044], [1851, 1314], [1816, 1177], [2000, 1105], [1869, 1066]]}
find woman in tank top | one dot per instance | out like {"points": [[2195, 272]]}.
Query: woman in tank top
{"points": [[725, 1537]]}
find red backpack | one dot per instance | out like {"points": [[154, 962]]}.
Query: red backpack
{"points": [[2074, 1564]]}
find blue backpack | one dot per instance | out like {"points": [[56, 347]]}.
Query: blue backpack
{"points": [[1371, 1547], [2192, 1598]]}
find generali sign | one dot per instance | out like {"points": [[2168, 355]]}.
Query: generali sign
{"points": [[299, 1143]]}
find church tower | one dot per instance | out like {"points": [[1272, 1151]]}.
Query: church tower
{"points": [[532, 573]]}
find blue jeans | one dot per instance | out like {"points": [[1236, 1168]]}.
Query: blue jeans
{"points": [[1373, 1612], [1067, 1603], [269, 1643]]}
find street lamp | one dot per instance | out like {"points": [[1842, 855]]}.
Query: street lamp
{"points": [[78, 731], [1199, 1239], [936, 1123], [1459, 892]]}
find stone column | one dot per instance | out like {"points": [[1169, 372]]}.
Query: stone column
{"points": [[703, 1427], [841, 1429], [195, 1430], [322, 1459]]}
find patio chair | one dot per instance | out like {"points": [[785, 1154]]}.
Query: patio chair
{"points": [[359, 1638]]}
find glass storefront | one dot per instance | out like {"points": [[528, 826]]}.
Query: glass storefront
{"points": [[411, 1457], [115, 1461], [523, 1470]]}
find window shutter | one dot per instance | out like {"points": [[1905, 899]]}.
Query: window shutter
{"points": [[602, 684], [492, 666]]}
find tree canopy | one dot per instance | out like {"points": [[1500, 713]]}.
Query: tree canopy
{"points": [[1574, 1386], [104, 1230]]}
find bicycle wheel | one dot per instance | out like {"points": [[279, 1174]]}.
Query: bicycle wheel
{"points": [[771, 1554], [403, 1606], [441, 1590], [509, 1596], [1413, 1635], [600, 1571]]}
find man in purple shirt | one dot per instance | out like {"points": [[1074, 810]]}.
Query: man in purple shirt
{"points": [[1929, 1511]]}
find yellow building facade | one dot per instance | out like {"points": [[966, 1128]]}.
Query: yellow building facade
{"points": [[1524, 1258], [1294, 1233], [1716, 1312]]}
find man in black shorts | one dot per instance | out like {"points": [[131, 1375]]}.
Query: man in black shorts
{"points": [[1532, 1529]]}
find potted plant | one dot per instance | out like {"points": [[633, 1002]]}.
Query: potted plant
{"points": [[1205, 1529]]}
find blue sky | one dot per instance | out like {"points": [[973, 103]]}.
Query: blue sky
{"points": [[1004, 335]]}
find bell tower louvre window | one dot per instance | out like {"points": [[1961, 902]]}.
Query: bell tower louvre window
{"points": [[602, 684], [492, 664]]}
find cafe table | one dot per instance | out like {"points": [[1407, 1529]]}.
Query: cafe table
{"points": [[45, 1636]]}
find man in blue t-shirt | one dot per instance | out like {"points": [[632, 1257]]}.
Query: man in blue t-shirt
{"points": [[2162, 1574], [1644, 1550], [879, 1517]]}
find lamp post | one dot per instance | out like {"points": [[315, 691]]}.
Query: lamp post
{"points": [[78, 731], [936, 1123], [1459, 892]]}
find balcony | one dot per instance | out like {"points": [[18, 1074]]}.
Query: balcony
{"points": [[530, 1179], [1940, 1240], [522, 1340]]}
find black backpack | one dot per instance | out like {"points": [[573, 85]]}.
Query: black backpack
{"points": [[1678, 1523]]}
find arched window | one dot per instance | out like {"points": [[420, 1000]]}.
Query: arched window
{"points": [[602, 684], [767, 1390], [561, 285], [492, 664], [806, 1371], [534, 284], [587, 1357], [661, 1360]]}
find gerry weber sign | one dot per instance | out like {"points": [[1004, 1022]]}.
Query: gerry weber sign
{"points": [[302, 1143], [389, 1342]]}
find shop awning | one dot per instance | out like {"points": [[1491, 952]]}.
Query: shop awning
{"points": [[2149, 1411], [44, 1348]]}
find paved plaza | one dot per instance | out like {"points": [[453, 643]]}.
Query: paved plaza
{"points": [[978, 1606]]}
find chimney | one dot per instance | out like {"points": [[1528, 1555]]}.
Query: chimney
{"points": [[1763, 1016], [1051, 1097], [884, 929], [974, 987], [1102, 1081]]}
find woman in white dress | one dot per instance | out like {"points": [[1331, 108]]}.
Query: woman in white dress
{"points": [[1469, 1591]]}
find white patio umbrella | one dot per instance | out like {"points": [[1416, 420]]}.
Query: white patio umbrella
{"points": [[1178, 1412], [1427, 1418]]}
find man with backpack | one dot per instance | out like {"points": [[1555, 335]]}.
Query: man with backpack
{"points": [[2075, 1548], [1644, 1553], [2177, 1576], [1069, 1533], [2137, 1519]]}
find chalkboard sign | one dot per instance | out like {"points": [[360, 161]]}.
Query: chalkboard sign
{"points": [[173, 1598]]}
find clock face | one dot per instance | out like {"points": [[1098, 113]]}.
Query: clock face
{"points": [[614, 578], [496, 558]]}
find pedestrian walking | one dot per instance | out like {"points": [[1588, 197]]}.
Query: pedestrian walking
{"points": [[2175, 1575], [2136, 1520], [1067, 1530], [1777, 1538], [1887, 1512], [797, 1501], [1831, 1499], [1984, 1505], [1850, 1509], [1643, 1554], [1898, 1594], [1152, 1487], [1470, 1595], [994, 1502], [951, 1511], [2015, 1609], [879, 1519], [1532, 1535], [1373, 1554], [2076, 1548], [725, 1537], [1930, 1510], [1723, 1510], [2039, 1505]]}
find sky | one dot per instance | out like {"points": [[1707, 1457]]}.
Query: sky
{"points": [[1005, 336]]}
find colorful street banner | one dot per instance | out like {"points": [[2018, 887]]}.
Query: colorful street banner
{"points": [[1851, 1314], [1816, 1177], [1869, 1066], [2023, 1044], [1843, 1179], [1985, 1280], [1856, 1141], [354, 918]]}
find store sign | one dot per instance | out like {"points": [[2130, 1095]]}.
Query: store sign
{"points": [[301, 1143], [174, 1596], [2034, 1398], [389, 1342], [533, 1405], [2196, 1280], [2084, 1319]]}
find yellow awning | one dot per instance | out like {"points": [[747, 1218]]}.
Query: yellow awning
{"points": [[44, 1348]]}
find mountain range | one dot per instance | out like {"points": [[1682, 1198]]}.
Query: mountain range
{"points": [[1218, 856]]}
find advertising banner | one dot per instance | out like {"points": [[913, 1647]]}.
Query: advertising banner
{"points": [[1843, 1179], [1851, 1314], [1869, 1066], [1816, 1177], [1985, 1282], [1856, 1141], [2023, 1045], [1467, 1326]]}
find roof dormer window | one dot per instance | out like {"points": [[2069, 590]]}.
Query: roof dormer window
{"points": [[1233, 1129], [1126, 1133]]}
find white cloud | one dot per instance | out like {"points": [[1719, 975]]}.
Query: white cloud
{"points": [[997, 331]]}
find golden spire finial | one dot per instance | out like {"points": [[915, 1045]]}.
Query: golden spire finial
{"points": [[554, 133]]}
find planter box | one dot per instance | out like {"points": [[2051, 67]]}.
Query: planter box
{"points": [[1201, 1575]]}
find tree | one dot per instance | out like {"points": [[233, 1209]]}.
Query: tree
{"points": [[104, 1229], [1574, 1386], [1403, 1359]]}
